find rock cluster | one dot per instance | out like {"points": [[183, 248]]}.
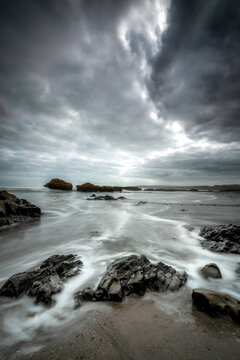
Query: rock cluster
{"points": [[221, 238], [59, 184], [14, 210], [105, 197], [45, 281], [133, 275], [88, 187], [215, 303]]}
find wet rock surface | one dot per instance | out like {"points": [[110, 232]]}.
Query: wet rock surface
{"points": [[44, 281], [14, 210], [215, 303], [58, 184], [105, 197], [211, 271], [221, 238], [133, 275]]}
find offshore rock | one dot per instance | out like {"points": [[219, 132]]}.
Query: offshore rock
{"points": [[212, 271], [14, 210], [215, 303], [221, 238], [44, 281], [88, 187], [105, 197], [133, 275], [59, 184]]}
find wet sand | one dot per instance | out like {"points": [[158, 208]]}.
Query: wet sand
{"points": [[156, 326]]}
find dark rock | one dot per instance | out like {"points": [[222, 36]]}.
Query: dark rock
{"points": [[212, 271], [133, 275], [44, 281], [58, 184], [221, 238], [132, 188], [88, 187], [141, 203], [105, 197], [14, 210], [215, 303]]}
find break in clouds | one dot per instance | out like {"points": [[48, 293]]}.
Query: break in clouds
{"points": [[119, 92]]}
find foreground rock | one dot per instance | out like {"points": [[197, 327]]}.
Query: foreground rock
{"points": [[133, 275], [212, 271], [105, 197], [215, 303], [59, 184], [221, 238], [14, 210], [45, 281]]}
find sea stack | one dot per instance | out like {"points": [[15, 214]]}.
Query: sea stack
{"points": [[58, 184]]}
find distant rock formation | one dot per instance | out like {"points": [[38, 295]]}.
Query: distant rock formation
{"points": [[45, 281], [133, 275], [15, 210], [221, 238], [59, 184], [88, 187], [215, 303]]}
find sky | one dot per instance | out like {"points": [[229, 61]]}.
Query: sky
{"points": [[123, 92]]}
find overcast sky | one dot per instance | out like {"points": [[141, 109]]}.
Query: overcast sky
{"points": [[119, 92]]}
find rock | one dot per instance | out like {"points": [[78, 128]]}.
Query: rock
{"points": [[44, 281], [88, 187], [221, 238], [133, 275], [215, 303], [14, 210], [132, 188], [141, 203], [105, 197], [59, 184], [212, 271]]}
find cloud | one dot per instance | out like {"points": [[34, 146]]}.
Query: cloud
{"points": [[112, 92]]}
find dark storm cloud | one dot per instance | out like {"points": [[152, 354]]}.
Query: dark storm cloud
{"points": [[77, 100], [195, 77]]}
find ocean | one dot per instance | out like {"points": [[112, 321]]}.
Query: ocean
{"points": [[162, 225]]}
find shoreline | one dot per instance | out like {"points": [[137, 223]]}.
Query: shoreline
{"points": [[155, 326]]}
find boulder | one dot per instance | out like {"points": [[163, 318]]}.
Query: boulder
{"points": [[133, 275], [14, 210], [59, 184], [212, 271], [215, 303], [44, 281], [221, 238]]}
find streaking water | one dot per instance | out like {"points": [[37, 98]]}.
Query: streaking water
{"points": [[101, 231]]}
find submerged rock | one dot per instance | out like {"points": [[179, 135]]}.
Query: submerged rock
{"points": [[45, 281], [212, 271], [105, 197], [215, 303], [14, 210], [133, 275], [59, 184], [221, 238]]}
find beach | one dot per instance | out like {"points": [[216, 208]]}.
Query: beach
{"points": [[164, 227]]}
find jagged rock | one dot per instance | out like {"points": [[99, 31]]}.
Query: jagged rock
{"points": [[14, 210], [221, 238], [44, 281], [212, 271], [59, 184], [133, 275], [215, 303], [105, 197]]}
